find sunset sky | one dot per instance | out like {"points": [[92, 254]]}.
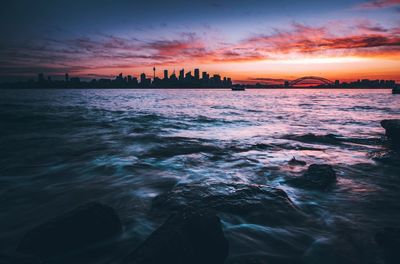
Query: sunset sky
{"points": [[248, 40]]}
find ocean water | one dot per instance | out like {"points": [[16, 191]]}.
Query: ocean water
{"points": [[128, 148]]}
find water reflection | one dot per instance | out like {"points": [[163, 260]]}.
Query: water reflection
{"points": [[127, 147]]}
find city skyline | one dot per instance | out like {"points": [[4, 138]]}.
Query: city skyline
{"points": [[185, 79], [248, 40]]}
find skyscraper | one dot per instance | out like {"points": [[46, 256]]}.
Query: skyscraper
{"points": [[197, 74], [165, 74], [66, 77], [142, 78], [182, 74], [40, 77]]}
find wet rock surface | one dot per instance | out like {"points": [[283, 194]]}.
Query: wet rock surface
{"points": [[184, 238], [296, 162], [388, 239], [84, 226], [317, 176], [237, 199], [334, 250], [392, 128], [19, 259]]}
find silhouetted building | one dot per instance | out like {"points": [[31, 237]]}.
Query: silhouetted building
{"points": [[182, 74], [142, 78], [184, 81], [40, 77], [286, 84]]}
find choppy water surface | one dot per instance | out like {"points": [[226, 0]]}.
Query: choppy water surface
{"points": [[62, 148]]}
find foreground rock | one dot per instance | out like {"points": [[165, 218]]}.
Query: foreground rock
{"points": [[86, 225], [388, 240], [317, 176], [333, 251], [392, 128], [296, 162], [258, 203], [184, 238]]}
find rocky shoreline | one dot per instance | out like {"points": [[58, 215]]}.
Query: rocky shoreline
{"points": [[193, 231]]}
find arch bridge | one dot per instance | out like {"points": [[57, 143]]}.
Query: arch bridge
{"points": [[314, 79]]}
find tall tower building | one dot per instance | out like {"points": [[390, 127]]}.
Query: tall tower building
{"points": [[182, 74], [154, 73], [165, 74], [66, 77], [197, 74]]}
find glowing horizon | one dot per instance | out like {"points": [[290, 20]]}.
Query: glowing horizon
{"points": [[356, 40]]}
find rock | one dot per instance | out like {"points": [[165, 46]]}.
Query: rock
{"points": [[388, 240], [330, 139], [392, 127], [258, 203], [317, 176], [19, 259], [86, 225], [296, 162], [333, 251], [184, 238]]}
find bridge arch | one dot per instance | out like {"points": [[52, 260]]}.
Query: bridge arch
{"points": [[321, 80]]}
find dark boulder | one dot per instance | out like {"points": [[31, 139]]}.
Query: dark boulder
{"points": [[388, 240], [335, 250], [392, 127], [296, 162], [317, 176], [19, 259], [86, 225], [258, 203], [184, 238]]}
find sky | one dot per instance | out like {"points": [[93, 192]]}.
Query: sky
{"points": [[248, 40]]}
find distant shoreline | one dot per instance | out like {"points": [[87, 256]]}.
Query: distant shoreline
{"points": [[204, 88]]}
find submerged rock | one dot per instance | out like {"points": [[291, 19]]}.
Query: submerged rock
{"points": [[184, 238], [86, 225], [296, 162], [259, 203], [388, 240], [392, 127], [317, 176], [333, 251], [330, 139]]}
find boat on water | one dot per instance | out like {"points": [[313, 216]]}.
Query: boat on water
{"points": [[238, 88]]}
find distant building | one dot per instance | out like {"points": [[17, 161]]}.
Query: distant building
{"points": [[165, 74], [142, 78], [197, 74], [286, 84], [182, 74], [40, 77], [66, 77]]}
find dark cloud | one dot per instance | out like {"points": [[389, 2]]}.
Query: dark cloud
{"points": [[380, 4]]}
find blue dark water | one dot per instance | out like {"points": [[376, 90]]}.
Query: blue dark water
{"points": [[62, 148]]}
